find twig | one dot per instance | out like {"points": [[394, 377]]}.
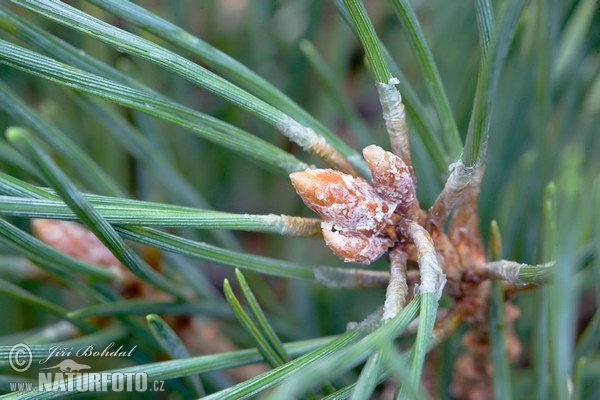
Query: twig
{"points": [[462, 184], [432, 276], [395, 119], [517, 273], [299, 226], [397, 290], [350, 277], [311, 141], [464, 232]]}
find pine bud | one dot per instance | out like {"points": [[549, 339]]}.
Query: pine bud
{"points": [[350, 204], [391, 177]]}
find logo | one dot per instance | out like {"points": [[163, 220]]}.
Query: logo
{"points": [[69, 375], [69, 366], [20, 357]]}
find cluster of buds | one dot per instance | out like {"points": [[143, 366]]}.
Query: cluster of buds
{"points": [[359, 218]]}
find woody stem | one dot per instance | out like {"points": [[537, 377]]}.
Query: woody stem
{"points": [[397, 290]]}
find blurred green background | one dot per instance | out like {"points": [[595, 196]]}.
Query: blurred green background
{"points": [[544, 128]]}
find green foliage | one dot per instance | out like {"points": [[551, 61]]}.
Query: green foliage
{"points": [[97, 103]]}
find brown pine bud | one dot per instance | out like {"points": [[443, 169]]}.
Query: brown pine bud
{"points": [[348, 203], [356, 248], [391, 177], [358, 222], [355, 217]]}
